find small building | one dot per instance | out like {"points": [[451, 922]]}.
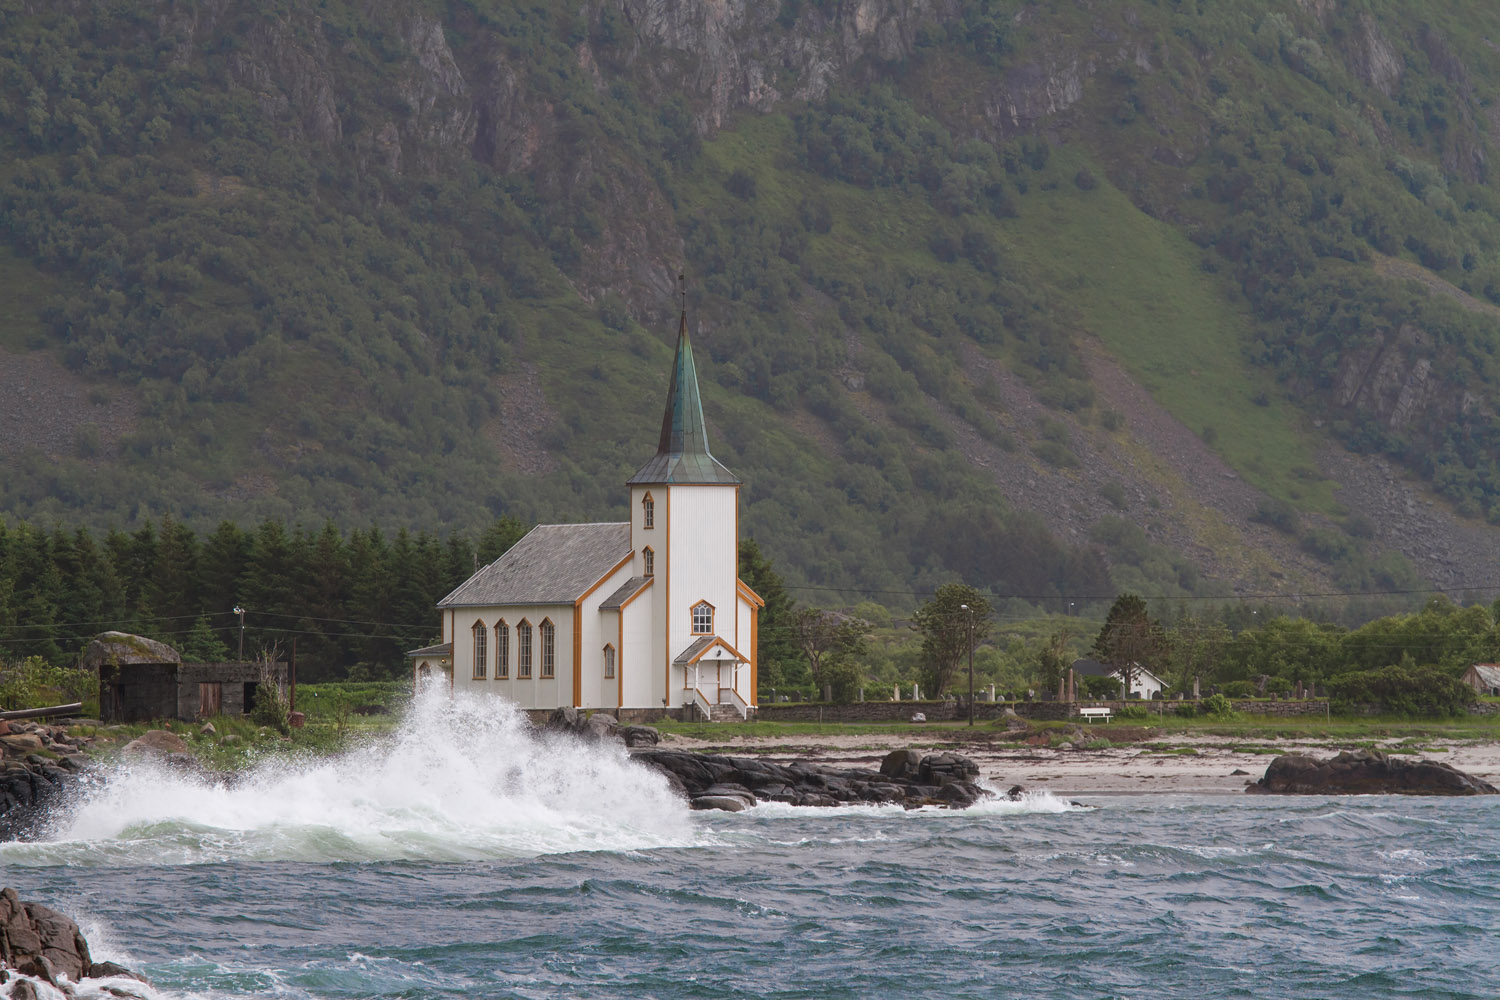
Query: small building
{"points": [[142, 679], [1143, 683], [1483, 678]]}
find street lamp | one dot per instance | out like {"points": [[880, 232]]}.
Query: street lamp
{"points": [[970, 611], [241, 612]]}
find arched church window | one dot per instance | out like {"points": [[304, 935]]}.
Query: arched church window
{"points": [[549, 648], [502, 650], [648, 511], [648, 561], [609, 663], [481, 651], [703, 618], [523, 650]]}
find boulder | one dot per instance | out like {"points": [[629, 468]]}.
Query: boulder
{"points": [[1366, 772], [640, 736], [902, 764], [207, 729], [728, 797], [157, 742], [113, 649], [110, 970], [40, 942], [600, 726], [565, 719]]}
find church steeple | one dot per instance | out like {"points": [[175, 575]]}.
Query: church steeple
{"points": [[682, 454]]}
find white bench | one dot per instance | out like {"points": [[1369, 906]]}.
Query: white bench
{"points": [[1101, 712]]}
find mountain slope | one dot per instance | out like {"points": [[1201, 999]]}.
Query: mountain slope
{"points": [[1056, 298]]}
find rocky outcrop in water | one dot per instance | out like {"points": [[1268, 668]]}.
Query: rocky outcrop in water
{"points": [[906, 777], [1366, 772], [37, 762], [40, 942]]}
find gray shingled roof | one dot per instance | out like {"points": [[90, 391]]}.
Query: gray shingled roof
{"points": [[553, 564], [441, 649], [1489, 673], [627, 590]]}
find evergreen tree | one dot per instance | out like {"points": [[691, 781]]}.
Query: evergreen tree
{"points": [[202, 644], [1131, 639], [780, 659]]}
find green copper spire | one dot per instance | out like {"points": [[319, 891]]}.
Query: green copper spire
{"points": [[682, 454]]}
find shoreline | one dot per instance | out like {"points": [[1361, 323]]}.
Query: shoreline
{"points": [[1117, 770]]}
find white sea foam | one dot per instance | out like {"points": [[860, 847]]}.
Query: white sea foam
{"points": [[459, 779], [1026, 803]]}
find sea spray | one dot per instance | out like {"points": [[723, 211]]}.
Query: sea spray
{"points": [[460, 778]]}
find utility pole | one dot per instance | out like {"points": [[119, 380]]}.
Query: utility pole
{"points": [[971, 661], [241, 612]]}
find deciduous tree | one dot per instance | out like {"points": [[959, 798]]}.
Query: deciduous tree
{"points": [[946, 626]]}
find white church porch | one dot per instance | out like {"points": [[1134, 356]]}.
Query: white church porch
{"points": [[714, 675]]}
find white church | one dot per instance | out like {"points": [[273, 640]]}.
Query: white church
{"points": [[636, 617]]}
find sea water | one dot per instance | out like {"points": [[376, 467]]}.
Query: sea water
{"points": [[465, 856]]}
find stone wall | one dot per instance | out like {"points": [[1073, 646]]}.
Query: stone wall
{"points": [[1039, 711]]}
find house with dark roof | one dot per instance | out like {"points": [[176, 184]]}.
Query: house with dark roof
{"points": [[639, 617], [1483, 678]]}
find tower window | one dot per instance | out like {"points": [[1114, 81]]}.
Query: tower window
{"points": [[481, 651], [648, 511], [648, 561], [609, 663], [703, 618], [549, 649]]}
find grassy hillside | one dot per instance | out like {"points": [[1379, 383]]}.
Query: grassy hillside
{"points": [[414, 266]]}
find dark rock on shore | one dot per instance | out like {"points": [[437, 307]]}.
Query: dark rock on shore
{"points": [[600, 726], [40, 942], [906, 778], [37, 763], [1365, 772]]}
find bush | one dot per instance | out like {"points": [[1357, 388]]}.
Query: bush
{"points": [[1134, 712], [1216, 706], [1428, 691], [33, 683], [1238, 689]]}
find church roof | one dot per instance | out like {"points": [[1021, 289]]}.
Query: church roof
{"points": [[682, 454], [553, 564], [441, 649], [628, 589]]}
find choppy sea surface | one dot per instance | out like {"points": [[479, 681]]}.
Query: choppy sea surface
{"points": [[465, 857]]}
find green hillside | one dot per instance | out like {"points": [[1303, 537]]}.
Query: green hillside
{"points": [[413, 267]]}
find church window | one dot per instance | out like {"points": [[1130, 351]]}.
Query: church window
{"points": [[549, 649], [502, 651], [481, 666], [523, 650], [648, 560], [703, 618], [609, 663], [648, 511]]}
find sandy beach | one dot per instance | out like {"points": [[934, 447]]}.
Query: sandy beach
{"points": [[1210, 767]]}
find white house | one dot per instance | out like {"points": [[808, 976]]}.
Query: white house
{"points": [[635, 617], [1143, 683]]}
